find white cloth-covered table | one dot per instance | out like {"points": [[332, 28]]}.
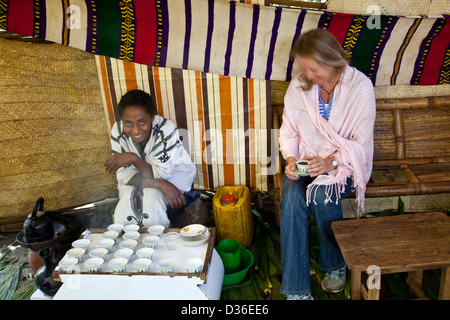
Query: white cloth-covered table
{"points": [[108, 286]]}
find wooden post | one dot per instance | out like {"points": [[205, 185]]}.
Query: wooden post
{"points": [[399, 134], [277, 179], [356, 285], [373, 294], [444, 290], [414, 282]]}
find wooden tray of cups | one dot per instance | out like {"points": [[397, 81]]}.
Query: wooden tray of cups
{"points": [[202, 275]]}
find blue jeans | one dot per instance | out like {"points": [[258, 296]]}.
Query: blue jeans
{"points": [[175, 214], [294, 233]]}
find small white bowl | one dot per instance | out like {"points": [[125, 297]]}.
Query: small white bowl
{"points": [[133, 235], [131, 228], [94, 264], [156, 230], [124, 253], [145, 253], [81, 243], [115, 227], [98, 253], [142, 264], [110, 235], [69, 265], [166, 265], [151, 241], [106, 243], [76, 253], [129, 243], [193, 265], [118, 264]]}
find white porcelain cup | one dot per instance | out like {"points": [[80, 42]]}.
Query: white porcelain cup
{"points": [[131, 228], [98, 253], [69, 265], [110, 234], [133, 235], [142, 264], [76, 253], [81, 243], [94, 264], [145, 253], [106, 243], [118, 264], [166, 265], [124, 253], [156, 230], [193, 265], [115, 227], [151, 241], [129, 243]]}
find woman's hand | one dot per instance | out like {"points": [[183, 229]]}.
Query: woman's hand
{"points": [[119, 160], [317, 166], [290, 167], [172, 194]]}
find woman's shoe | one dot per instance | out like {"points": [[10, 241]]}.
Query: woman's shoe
{"points": [[334, 281], [299, 297]]}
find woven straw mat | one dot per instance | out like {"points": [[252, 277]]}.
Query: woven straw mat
{"points": [[53, 133]]}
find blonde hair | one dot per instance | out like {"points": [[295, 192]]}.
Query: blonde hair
{"points": [[321, 46]]}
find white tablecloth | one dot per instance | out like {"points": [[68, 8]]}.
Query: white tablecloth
{"points": [[157, 287]]}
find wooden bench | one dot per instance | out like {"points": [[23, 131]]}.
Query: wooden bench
{"points": [[411, 148], [401, 243]]}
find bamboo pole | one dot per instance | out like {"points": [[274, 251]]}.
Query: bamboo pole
{"points": [[413, 103]]}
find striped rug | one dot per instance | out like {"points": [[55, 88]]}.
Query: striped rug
{"points": [[224, 121], [238, 39]]}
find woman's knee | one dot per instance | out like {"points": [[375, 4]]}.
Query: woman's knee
{"points": [[294, 190], [325, 207], [293, 204]]}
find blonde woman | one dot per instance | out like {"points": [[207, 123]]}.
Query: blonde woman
{"points": [[329, 113]]}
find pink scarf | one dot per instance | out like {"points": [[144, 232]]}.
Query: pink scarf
{"points": [[348, 134]]}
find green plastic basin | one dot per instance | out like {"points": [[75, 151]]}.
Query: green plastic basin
{"points": [[247, 260]]}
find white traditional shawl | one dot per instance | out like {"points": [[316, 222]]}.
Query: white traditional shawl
{"points": [[164, 151], [348, 134]]}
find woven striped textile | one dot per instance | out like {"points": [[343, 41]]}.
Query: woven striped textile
{"points": [[238, 39], [224, 121]]}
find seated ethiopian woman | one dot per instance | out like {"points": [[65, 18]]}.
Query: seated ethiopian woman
{"points": [[154, 171]]}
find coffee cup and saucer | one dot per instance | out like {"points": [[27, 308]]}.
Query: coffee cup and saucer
{"points": [[301, 167]]}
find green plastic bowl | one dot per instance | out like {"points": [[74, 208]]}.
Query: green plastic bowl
{"points": [[230, 253], [247, 260]]}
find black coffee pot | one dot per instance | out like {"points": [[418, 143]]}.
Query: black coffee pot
{"points": [[38, 228], [43, 277]]}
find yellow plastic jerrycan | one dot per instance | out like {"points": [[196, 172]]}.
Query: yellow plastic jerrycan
{"points": [[232, 210]]}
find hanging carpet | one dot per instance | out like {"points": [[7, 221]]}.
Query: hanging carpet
{"points": [[223, 120], [235, 39]]}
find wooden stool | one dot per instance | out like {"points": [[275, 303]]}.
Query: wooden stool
{"points": [[403, 243]]}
